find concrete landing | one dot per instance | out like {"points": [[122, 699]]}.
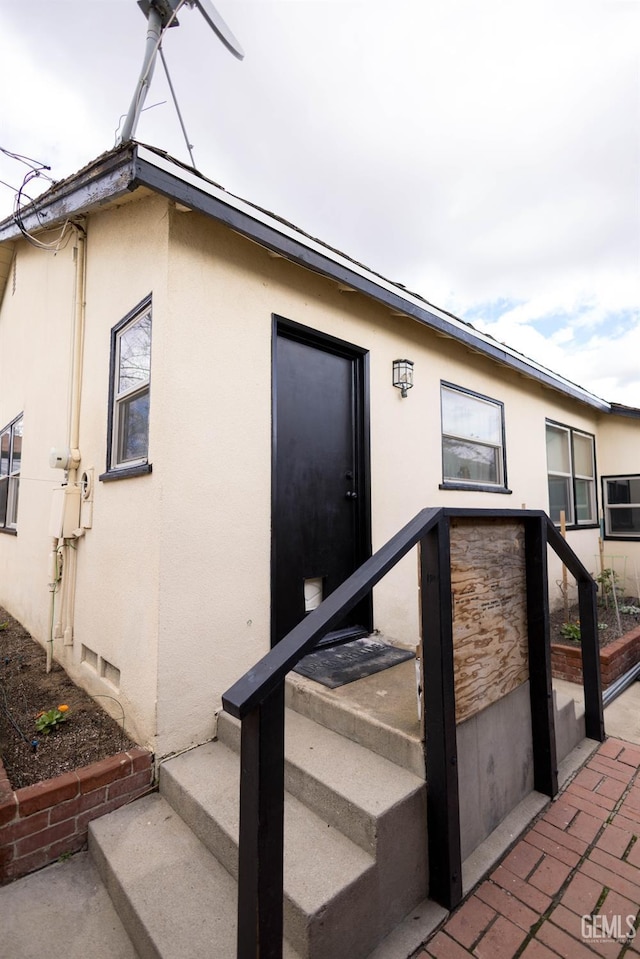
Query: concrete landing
{"points": [[379, 712], [622, 715]]}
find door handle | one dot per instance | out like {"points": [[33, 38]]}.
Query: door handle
{"points": [[351, 494]]}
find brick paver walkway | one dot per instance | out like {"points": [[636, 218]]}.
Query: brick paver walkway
{"points": [[569, 885]]}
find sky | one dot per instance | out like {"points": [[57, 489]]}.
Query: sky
{"points": [[484, 155]]}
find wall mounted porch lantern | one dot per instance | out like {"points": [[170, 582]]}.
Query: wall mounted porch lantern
{"points": [[403, 375]]}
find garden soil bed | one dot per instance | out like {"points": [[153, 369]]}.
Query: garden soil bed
{"points": [[87, 736]]}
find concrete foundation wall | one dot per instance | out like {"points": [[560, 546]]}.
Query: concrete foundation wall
{"points": [[495, 765]]}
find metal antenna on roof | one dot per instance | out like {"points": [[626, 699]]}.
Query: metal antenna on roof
{"points": [[162, 14]]}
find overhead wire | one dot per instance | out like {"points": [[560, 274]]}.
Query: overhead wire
{"points": [[36, 170], [28, 161], [54, 246], [123, 116]]}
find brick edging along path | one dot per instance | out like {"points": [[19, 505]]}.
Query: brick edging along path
{"points": [[569, 884], [40, 823]]}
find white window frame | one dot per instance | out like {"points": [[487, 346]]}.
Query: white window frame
{"points": [[9, 514], [122, 396], [572, 477], [499, 448], [608, 507]]}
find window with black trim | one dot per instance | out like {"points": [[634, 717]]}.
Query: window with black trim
{"points": [[571, 471], [129, 389], [473, 444], [10, 461], [621, 496]]}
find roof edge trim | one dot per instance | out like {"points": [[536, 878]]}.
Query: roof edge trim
{"points": [[108, 177]]}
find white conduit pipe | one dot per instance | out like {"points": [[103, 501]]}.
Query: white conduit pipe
{"points": [[54, 579], [70, 565], [78, 350], [64, 550]]}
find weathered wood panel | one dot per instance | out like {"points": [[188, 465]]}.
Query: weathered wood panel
{"points": [[489, 612]]}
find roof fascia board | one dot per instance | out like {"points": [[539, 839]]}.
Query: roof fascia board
{"points": [[620, 410], [6, 261], [159, 174], [103, 181]]}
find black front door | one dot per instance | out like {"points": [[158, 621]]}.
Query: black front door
{"points": [[321, 492]]}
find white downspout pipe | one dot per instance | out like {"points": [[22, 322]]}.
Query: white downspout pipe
{"points": [[65, 577], [78, 351], [74, 423]]}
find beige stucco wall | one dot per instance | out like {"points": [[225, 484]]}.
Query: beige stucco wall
{"points": [[35, 341], [118, 580], [117, 560], [173, 578]]}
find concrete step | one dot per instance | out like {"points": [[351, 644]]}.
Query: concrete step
{"points": [[354, 858], [332, 904], [379, 712], [355, 844], [351, 788], [173, 897]]}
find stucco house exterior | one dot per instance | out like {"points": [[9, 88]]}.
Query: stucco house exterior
{"points": [[228, 445]]}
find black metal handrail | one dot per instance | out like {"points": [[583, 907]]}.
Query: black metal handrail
{"points": [[590, 646], [258, 700]]}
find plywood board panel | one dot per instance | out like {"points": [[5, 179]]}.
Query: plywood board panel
{"points": [[489, 612]]}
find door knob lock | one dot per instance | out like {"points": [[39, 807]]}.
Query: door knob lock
{"points": [[351, 494]]}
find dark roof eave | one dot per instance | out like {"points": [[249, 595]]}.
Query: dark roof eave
{"points": [[618, 409]]}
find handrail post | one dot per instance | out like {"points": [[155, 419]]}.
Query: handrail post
{"points": [[443, 805], [590, 647], [545, 766], [260, 857]]}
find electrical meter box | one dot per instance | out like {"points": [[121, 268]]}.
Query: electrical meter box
{"points": [[65, 512]]}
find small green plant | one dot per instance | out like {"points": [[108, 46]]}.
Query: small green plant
{"points": [[630, 610], [4, 625], [609, 586], [571, 631], [47, 720]]}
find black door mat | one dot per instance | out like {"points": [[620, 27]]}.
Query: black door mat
{"points": [[339, 665]]}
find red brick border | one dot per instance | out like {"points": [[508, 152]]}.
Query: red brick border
{"points": [[615, 659], [40, 823]]}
